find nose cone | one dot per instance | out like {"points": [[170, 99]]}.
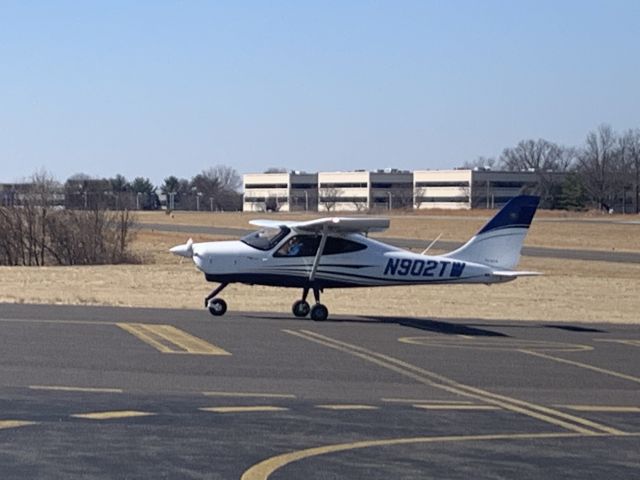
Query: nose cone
{"points": [[185, 250]]}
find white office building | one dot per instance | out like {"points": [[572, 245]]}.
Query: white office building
{"points": [[280, 192], [361, 191], [466, 188]]}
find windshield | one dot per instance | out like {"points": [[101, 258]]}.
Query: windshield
{"points": [[265, 239]]}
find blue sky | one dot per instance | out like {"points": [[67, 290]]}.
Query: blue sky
{"points": [[155, 88]]}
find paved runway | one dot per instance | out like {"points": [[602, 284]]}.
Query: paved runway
{"points": [[88, 392]]}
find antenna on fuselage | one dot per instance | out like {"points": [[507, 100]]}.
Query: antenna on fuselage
{"points": [[431, 244]]}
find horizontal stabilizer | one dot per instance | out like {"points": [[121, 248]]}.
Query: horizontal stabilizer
{"points": [[514, 274]]}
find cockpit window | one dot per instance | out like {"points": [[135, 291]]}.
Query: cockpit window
{"points": [[265, 239]]}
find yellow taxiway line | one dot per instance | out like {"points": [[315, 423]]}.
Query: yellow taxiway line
{"points": [[251, 409], [432, 406], [112, 415], [248, 395], [422, 402], [169, 339], [14, 423], [75, 389], [539, 412], [583, 365], [346, 407], [602, 408]]}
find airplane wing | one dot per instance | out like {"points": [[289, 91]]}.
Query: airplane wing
{"points": [[273, 223], [344, 225], [332, 224]]}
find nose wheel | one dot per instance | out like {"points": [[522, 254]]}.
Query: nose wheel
{"points": [[216, 306], [317, 312]]}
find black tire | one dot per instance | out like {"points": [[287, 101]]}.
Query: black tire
{"points": [[301, 308], [217, 307], [319, 312]]}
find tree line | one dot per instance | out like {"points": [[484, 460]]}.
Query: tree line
{"points": [[604, 172], [216, 188]]}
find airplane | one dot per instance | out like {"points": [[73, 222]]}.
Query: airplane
{"points": [[336, 252]]}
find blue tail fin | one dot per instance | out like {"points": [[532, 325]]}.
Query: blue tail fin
{"points": [[499, 242]]}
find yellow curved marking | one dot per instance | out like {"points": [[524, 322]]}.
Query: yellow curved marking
{"points": [[539, 412], [583, 365], [497, 344], [263, 469]]}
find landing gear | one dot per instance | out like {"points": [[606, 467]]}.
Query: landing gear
{"points": [[319, 312], [216, 306], [301, 307]]}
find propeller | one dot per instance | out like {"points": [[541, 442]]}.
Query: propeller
{"points": [[185, 250]]}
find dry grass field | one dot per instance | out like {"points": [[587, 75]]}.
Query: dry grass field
{"points": [[570, 291]]}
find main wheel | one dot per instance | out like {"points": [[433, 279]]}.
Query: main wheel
{"points": [[319, 312], [217, 307], [300, 308]]}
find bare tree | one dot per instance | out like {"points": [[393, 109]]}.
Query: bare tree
{"points": [[596, 163], [630, 153], [329, 196], [418, 196], [219, 186], [359, 205], [36, 233], [544, 158], [275, 170], [480, 163]]}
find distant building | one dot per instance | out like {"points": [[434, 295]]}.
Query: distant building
{"points": [[280, 192], [363, 190], [466, 189]]}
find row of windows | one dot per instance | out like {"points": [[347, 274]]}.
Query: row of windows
{"points": [[442, 184], [499, 184], [442, 199], [307, 246], [266, 185], [341, 199], [264, 199], [407, 185], [344, 185]]}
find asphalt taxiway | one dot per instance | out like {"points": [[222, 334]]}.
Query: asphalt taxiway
{"points": [[91, 392]]}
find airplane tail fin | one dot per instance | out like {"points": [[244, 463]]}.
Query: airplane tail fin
{"points": [[499, 242]]}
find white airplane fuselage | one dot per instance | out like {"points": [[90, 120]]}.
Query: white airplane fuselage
{"points": [[377, 264]]}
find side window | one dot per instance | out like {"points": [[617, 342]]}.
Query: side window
{"points": [[337, 245], [299, 246]]}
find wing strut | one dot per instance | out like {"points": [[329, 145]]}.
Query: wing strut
{"points": [[316, 261]]}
